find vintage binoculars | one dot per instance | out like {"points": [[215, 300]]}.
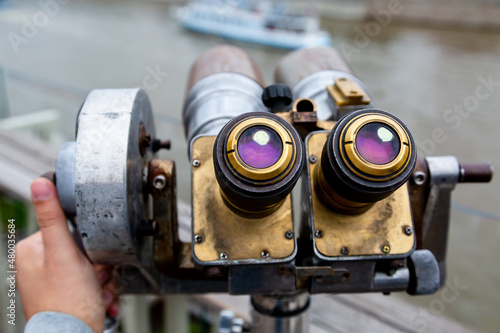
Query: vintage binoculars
{"points": [[366, 216]]}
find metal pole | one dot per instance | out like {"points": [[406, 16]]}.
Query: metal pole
{"points": [[280, 313]]}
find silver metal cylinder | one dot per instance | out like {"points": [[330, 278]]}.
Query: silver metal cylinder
{"points": [[280, 313], [65, 181], [223, 83], [314, 87], [309, 71], [216, 99]]}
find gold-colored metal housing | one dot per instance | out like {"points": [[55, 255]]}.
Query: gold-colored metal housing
{"points": [[275, 172], [224, 231], [347, 92], [381, 224], [358, 164]]}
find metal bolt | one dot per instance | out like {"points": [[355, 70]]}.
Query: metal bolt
{"points": [[344, 251], [264, 254], [386, 249], [223, 256], [159, 144], [408, 230], [159, 182], [198, 239], [318, 234], [196, 163], [313, 159], [419, 178], [288, 234]]}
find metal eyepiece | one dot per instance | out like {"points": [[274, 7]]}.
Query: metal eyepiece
{"points": [[368, 155], [258, 158]]}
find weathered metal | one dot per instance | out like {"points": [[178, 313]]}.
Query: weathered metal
{"points": [[363, 234], [223, 231], [108, 167]]}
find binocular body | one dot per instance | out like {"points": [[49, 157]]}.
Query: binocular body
{"points": [[362, 218]]}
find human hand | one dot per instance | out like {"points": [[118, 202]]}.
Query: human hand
{"points": [[52, 273]]}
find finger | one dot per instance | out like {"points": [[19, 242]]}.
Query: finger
{"points": [[104, 273], [110, 293], [114, 308], [57, 239]]}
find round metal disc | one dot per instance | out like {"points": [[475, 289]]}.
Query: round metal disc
{"points": [[109, 171]]}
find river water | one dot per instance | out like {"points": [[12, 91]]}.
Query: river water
{"points": [[422, 75]]}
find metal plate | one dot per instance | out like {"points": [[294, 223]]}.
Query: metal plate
{"points": [[222, 231], [109, 172], [366, 234]]}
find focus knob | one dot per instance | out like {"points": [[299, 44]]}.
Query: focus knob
{"points": [[277, 97]]}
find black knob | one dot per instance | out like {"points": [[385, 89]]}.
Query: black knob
{"points": [[277, 97]]}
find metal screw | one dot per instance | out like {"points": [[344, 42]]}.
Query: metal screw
{"points": [[386, 249], [223, 256], [159, 182], [344, 251], [318, 234], [313, 159], [264, 254], [288, 234], [408, 231], [419, 178], [159, 144], [198, 239], [196, 163]]}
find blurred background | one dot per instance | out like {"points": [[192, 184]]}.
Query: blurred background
{"points": [[422, 60]]}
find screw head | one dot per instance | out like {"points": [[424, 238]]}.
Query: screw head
{"points": [[289, 234], [318, 233], [344, 251], [198, 239], [313, 159], [419, 178], [159, 182], [223, 256], [196, 163], [386, 249], [264, 254], [408, 230]]}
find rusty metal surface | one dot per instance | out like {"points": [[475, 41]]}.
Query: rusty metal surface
{"points": [[475, 173], [223, 58], [419, 188], [299, 64], [378, 231], [166, 242], [306, 122], [222, 231]]}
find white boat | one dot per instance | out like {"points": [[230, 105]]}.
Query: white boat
{"points": [[261, 22]]}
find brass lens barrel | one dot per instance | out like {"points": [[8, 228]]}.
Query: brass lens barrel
{"points": [[368, 155], [258, 158]]}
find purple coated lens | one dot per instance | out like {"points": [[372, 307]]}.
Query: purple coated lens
{"points": [[260, 147], [377, 143]]}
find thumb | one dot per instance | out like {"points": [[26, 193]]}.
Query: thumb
{"points": [[57, 239]]}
